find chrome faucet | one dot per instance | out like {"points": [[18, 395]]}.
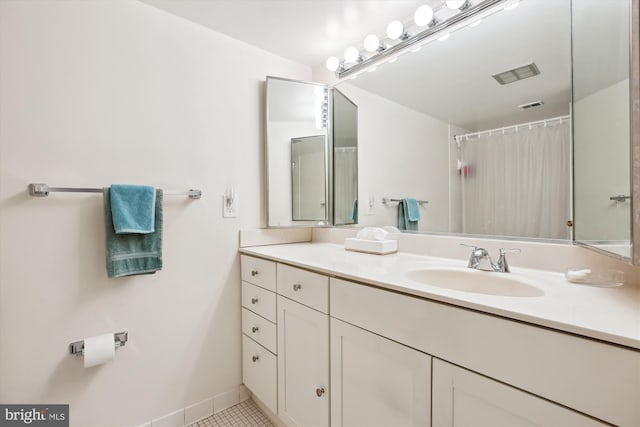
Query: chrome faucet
{"points": [[481, 260]]}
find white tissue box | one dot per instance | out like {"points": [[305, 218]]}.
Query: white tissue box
{"points": [[379, 247]]}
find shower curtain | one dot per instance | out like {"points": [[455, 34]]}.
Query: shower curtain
{"points": [[345, 166], [517, 183]]}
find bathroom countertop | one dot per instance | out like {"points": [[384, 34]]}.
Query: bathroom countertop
{"points": [[608, 314]]}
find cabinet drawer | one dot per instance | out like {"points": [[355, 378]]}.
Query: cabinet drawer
{"points": [[259, 372], [259, 329], [310, 289], [259, 300], [258, 271]]}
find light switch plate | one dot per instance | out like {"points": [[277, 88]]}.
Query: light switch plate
{"points": [[371, 205], [230, 203]]}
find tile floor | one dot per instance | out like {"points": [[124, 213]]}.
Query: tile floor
{"points": [[245, 414]]}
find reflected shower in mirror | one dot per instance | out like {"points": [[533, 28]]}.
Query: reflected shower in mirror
{"points": [[601, 130], [308, 178], [477, 124]]}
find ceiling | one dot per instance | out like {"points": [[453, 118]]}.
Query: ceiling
{"points": [[305, 31]]}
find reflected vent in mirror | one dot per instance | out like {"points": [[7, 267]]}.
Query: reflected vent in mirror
{"points": [[515, 74], [529, 105]]}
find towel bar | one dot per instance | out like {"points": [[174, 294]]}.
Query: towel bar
{"points": [[387, 200], [43, 190], [119, 340]]}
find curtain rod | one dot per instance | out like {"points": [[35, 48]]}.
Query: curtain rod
{"points": [[502, 130], [43, 190]]}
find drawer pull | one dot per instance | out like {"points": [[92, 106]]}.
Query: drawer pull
{"points": [[320, 391], [297, 287], [254, 300], [255, 358], [255, 329], [254, 273]]}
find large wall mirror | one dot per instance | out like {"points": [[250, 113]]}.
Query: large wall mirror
{"points": [[310, 128], [478, 125]]}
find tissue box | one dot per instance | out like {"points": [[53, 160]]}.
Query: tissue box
{"points": [[379, 247]]}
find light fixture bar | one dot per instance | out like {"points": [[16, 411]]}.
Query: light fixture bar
{"points": [[419, 37]]}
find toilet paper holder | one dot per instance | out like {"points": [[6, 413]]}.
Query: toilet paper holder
{"points": [[119, 340]]}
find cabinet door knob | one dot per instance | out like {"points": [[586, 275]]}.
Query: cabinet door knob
{"points": [[320, 391], [297, 286], [255, 358], [255, 329], [254, 273], [254, 300]]}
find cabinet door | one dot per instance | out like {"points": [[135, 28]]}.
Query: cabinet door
{"points": [[377, 382], [464, 398], [303, 365]]}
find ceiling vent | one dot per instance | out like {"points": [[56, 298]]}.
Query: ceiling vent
{"points": [[520, 73], [530, 105]]}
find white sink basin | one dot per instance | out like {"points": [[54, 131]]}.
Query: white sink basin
{"points": [[475, 281]]}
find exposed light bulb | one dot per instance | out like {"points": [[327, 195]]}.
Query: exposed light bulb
{"points": [[475, 23], [455, 4], [423, 15], [371, 43], [512, 5], [332, 63], [444, 37], [395, 30], [351, 54]]}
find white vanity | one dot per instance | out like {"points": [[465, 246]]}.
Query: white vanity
{"points": [[332, 337]]}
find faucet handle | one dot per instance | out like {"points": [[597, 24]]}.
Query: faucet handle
{"points": [[469, 246], [502, 264]]}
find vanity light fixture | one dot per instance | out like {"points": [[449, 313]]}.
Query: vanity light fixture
{"points": [[395, 31], [372, 44], [457, 4], [333, 63], [352, 55], [427, 27], [424, 16]]}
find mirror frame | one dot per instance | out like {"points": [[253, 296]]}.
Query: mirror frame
{"points": [[328, 162]]}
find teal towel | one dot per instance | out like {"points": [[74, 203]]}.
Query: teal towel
{"points": [[411, 209], [404, 223], [133, 208], [354, 211], [129, 254]]}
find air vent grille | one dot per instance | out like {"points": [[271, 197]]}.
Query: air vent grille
{"points": [[515, 74], [530, 105]]}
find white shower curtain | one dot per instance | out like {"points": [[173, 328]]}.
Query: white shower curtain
{"points": [[517, 183], [345, 166]]}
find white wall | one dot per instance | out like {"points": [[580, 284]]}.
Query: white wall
{"points": [[401, 153], [601, 136], [99, 92]]}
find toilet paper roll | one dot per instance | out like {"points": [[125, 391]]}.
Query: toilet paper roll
{"points": [[98, 350]]}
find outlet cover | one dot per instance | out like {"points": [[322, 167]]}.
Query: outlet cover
{"points": [[230, 203]]}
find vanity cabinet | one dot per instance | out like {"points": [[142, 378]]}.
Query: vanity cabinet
{"points": [[464, 398], [320, 351], [377, 382]]}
